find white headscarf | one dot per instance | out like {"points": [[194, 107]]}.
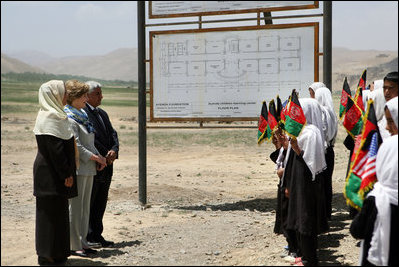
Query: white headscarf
{"points": [[392, 105], [316, 85], [314, 115], [311, 140], [51, 118], [330, 121], [378, 84], [365, 95], [379, 102], [385, 191], [377, 95]]}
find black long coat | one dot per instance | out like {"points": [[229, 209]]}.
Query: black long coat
{"points": [[55, 161]]}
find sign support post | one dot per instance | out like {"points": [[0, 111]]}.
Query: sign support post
{"points": [[142, 103]]}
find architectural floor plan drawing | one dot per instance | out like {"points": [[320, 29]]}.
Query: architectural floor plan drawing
{"points": [[228, 73]]}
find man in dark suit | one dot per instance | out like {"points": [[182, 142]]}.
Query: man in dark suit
{"points": [[106, 142]]}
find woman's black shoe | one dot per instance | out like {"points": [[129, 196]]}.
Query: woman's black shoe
{"points": [[45, 261], [80, 253]]}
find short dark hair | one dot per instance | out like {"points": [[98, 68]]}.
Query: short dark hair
{"points": [[392, 76]]}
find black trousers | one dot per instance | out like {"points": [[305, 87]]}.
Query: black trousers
{"points": [[330, 155], [292, 240], [308, 248], [98, 204], [52, 227]]}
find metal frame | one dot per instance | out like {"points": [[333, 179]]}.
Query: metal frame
{"points": [[142, 146]]}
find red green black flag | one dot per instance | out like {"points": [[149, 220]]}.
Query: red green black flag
{"points": [[279, 108], [272, 116], [283, 112], [359, 92], [353, 118], [262, 124], [346, 91], [362, 81], [295, 119]]}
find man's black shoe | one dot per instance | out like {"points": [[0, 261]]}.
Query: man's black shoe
{"points": [[106, 244]]}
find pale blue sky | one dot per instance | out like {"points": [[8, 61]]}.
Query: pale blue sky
{"points": [[96, 28]]}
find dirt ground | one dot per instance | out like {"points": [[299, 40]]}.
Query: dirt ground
{"points": [[208, 203]]}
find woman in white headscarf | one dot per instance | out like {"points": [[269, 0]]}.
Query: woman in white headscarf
{"points": [[377, 95], [302, 177], [54, 175], [391, 115], [330, 127], [314, 87], [377, 222]]}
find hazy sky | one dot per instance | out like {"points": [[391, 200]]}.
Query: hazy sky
{"points": [[95, 28]]}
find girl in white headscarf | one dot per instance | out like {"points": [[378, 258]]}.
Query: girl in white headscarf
{"points": [[330, 127], [377, 95], [314, 87], [377, 222], [323, 96], [302, 176], [54, 175], [391, 115], [314, 116]]}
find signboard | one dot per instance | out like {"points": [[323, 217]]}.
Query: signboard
{"points": [[165, 9], [225, 73]]}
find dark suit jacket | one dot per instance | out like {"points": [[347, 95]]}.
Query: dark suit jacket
{"points": [[105, 139], [55, 161]]}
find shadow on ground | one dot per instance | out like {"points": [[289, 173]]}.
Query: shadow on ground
{"points": [[262, 205], [102, 254]]}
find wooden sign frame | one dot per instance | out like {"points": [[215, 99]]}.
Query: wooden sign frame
{"points": [[225, 12]]}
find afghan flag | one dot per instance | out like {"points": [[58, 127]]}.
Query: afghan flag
{"points": [[362, 80], [272, 121], [352, 182], [346, 91], [353, 122], [370, 121], [283, 113], [359, 92], [279, 108], [262, 124], [295, 119]]}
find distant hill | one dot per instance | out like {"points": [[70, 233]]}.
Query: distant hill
{"points": [[9, 64], [121, 64]]}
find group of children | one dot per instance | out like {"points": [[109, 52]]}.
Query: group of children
{"points": [[305, 166]]}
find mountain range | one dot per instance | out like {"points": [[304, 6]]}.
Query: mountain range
{"points": [[121, 64]]}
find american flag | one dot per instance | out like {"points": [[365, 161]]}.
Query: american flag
{"points": [[366, 167]]}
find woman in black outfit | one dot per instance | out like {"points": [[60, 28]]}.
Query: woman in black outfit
{"points": [[377, 221], [54, 175]]}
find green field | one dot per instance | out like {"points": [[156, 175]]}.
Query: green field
{"points": [[22, 96]]}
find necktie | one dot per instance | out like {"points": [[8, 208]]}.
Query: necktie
{"points": [[99, 117]]}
